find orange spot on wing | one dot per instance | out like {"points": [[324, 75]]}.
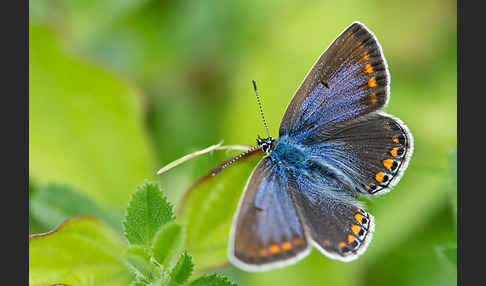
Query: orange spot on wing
{"points": [[286, 245], [394, 151], [350, 238], [379, 176], [342, 244], [297, 240], [388, 163], [373, 98], [368, 68], [274, 248], [372, 82], [395, 139], [356, 228], [263, 252], [358, 217], [366, 57]]}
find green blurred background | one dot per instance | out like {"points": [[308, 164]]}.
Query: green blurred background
{"points": [[119, 88]]}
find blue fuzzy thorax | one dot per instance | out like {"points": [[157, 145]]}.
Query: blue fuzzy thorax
{"points": [[289, 154]]}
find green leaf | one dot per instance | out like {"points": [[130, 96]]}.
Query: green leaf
{"points": [[208, 209], [138, 261], [52, 203], [453, 188], [80, 251], [167, 243], [448, 253], [212, 280], [148, 210], [86, 126], [35, 226], [78, 16], [182, 270], [137, 283]]}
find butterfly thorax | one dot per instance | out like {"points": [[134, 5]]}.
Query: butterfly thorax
{"points": [[288, 154]]}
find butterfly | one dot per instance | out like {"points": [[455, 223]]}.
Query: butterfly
{"points": [[334, 145]]}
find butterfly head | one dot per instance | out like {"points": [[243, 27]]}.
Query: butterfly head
{"points": [[267, 144]]}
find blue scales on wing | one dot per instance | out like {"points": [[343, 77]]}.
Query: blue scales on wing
{"points": [[267, 230], [348, 80]]}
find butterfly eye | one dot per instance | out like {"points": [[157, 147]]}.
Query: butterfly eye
{"points": [[265, 147], [266, 144]]}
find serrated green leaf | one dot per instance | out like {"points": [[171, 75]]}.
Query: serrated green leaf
{"points": [[208, 211], [53, 203], [137, 259], [168, 241], [182, 270], [86, 126], [80, 251], [148, 210], [212, 280]]}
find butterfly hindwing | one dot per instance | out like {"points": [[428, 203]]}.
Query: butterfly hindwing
{"points": [[348, 80], [266, 231], [372, 151], [338, 227]]}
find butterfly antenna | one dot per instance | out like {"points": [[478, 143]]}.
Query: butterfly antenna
{"points": [[260, 105]]}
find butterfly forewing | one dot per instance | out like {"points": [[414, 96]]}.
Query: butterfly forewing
{"points": [[267, 231], [336, 114], [348, 80]]}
